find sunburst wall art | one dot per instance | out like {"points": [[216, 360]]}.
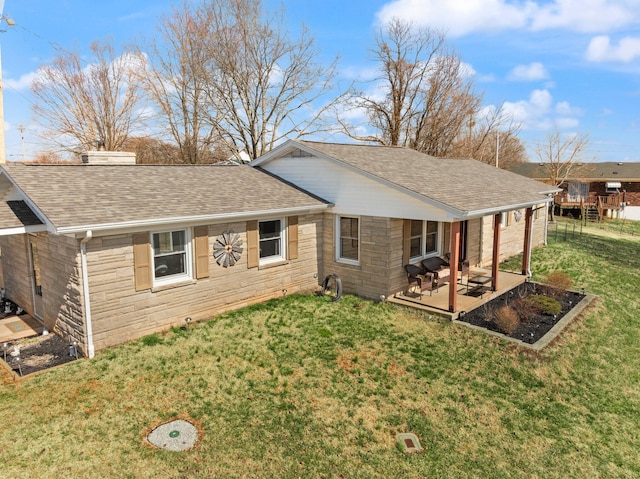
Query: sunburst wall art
{"points": [[227, 248]]}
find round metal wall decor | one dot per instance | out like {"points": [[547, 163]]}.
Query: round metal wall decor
{"points": [[227, 248]]}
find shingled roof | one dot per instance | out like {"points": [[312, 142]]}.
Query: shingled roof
{"points": [[463, 184], [592, 171], [73, 198]]}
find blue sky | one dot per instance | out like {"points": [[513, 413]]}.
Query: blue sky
{"points": [[571, 64]]}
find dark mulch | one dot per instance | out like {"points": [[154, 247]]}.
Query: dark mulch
{"points": [[533, 328], [38, 354]]}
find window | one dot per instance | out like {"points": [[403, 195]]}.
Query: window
{"points": [[416, 238], [171, 256], [424, 239], [348, 236], [271, 239]]}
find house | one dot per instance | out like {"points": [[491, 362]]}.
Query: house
{"points": [[109, 251], [608, 189]]}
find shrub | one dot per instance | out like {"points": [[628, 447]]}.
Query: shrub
{"points": [[547, 305], [506, 319], [527, 310], [560, 280], [151, 340]]}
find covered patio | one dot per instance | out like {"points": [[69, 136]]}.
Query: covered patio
{"points": [[467, 300]]}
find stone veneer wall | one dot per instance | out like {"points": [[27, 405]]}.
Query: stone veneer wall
{"points": [[62, 308], [511, 237], [119, 313], [380, 270]]}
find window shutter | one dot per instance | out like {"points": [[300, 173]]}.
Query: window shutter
{"points": [[142, 261], [292, 247], [406, 242], [252, 244], [201, 234]]}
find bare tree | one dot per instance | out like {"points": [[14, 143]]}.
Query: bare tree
{"points": [[263, 82], [175, 81], [559, 156], [424, 98], [81, 105], [492, 138]]}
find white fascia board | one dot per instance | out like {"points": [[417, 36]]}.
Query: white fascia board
{"points": [[23, 230], [279, 151], [111, 228], [502, 209]]}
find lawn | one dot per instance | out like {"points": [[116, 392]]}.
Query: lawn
{"points": [[303, 387]]}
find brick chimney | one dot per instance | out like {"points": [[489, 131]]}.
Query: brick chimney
{"points": [[102, 157]]}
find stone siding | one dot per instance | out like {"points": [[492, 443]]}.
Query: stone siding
{"points": [[119, 313]]}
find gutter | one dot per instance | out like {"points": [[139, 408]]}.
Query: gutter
{"points": [[85, 292], [186, 220]]}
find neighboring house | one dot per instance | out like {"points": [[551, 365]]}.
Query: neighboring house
{"points": [[105, 252], [610, 188]]}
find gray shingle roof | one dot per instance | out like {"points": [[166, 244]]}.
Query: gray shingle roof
{"points": [[464, 184], [593, 171], [72, 196]]}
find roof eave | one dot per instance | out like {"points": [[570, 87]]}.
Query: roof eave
{"points": [[187, 220]]}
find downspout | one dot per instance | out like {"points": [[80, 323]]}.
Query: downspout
{"points": [[85, 293], [529, 273]]}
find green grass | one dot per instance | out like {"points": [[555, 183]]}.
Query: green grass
{"points": [[302, 387]]}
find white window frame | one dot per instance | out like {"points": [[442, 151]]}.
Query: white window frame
{"points": [[188, 260], [338, 238], [423, 242], [283, 243]]}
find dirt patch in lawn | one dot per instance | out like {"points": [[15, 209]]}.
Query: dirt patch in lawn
{"points": [[533, 325], [38, 354]]}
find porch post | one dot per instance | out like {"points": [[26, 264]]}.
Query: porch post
{"points": [[526, 250], [454, 251], [495, 261]]}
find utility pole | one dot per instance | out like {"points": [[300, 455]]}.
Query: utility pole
{"points": [[497, 146], [3, 151], [21, 130]]}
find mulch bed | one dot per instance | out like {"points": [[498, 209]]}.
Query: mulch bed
{"points": [[533, 328], [38, 354]]}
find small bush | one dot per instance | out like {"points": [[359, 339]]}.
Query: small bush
{"points": [[527, 310], [506, 319], [151, 340], [547, 305], [560, 280]]}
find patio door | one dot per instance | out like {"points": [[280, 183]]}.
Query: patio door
{"points": [[36, 278]]}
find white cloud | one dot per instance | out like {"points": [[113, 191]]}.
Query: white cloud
{"points": [[563, 108], [539, 112], [22, 83], [532, 72], [461, 17], [600, 49], [457, 17]]}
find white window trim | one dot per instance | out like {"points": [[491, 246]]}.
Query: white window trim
{"points": [[423, 243], [174, 278], [283, 243], [337, 243]]}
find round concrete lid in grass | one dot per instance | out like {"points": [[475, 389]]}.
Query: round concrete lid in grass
{"points": [[176, 435]]}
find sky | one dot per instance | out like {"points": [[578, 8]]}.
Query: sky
{"points": [[573, 65]]}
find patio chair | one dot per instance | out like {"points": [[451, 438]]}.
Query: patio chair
{"points": [[438, 267], [463, 268], [418, 277]]}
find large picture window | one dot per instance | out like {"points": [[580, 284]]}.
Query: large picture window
{"points": [[170, 255], [271, 238], [348, 236], [425, 238]]}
